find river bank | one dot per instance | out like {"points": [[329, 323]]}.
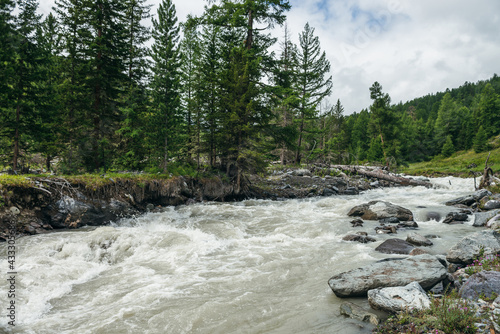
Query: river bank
{"points": [[39, 204]]}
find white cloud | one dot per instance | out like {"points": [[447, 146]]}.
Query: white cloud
{"points": [[412, 48]]}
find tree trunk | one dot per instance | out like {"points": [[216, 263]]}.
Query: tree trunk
{"points": [[16, 138], [381, 176]]}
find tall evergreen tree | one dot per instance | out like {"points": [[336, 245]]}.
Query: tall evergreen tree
{"points": [[167, 118], [312, 83], [489, 111], [26, 75]]}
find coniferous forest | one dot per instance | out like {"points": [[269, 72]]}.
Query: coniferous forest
{"points": [[105, 85]]}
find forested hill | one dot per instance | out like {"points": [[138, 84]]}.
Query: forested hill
{"points": [[91, 87], [437, 124]]}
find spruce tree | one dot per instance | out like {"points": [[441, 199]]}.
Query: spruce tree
{"points": [[448, 147], [480, 141], [313, 82], [167, 119]]}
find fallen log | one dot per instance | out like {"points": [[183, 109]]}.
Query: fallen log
{"points": [[378, 174]]}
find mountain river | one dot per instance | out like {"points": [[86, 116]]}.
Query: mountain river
{"points": [[255, 266]]}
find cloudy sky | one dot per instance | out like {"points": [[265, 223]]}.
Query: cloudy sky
{"points": [[411, 48]]}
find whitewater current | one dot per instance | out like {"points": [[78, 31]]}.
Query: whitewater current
{"points": [[255, 266]]}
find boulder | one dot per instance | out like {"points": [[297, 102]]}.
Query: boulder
{"points": [[359, 238], [483, 283], [376, 210], [354, 311], [418, 240], [480, 218], [395, 246], [424, 269], [351, 191], [493, 222], [358, 222], [492, 205], [455, 218], [408, 224], [397, 299], [470, 199], [431, 215], [469, 248]]}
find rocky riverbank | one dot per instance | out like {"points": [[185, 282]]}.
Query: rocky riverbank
{"points": [[397, 285], [42, 204]]}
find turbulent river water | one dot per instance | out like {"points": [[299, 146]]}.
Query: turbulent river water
{"points": [[250, 267]]}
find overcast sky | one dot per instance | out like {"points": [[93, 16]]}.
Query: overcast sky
{"points": [[411, 48]]}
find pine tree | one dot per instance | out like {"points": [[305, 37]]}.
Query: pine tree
{"points": [[190, 68], [7, 71], [135, 99], [489, 111], [448, 147], [312, 84], [26, 74], [480, 141], [167, 119]]}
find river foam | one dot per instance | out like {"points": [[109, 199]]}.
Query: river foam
{"points": [[250, 267]]}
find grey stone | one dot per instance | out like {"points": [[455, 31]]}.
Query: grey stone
{"points": [[471, 199], [359, 238], [418, 240], [408, 224], [469, 248], [150, 207], [397, 299], [14, 210], [358, 222], [455, 218], [418, 251], [491, 205], [328, 192], [354, 311], [493, 222], [480, 218], [351, 191], [395, 246], [485, 283], [424, 269], [390, 220], [431, 215], [377, 210]]}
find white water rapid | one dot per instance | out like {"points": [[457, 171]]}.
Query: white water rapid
{"points": [[249, 267]]}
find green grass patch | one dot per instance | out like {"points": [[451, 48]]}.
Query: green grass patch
{"points": [[456, 164]]}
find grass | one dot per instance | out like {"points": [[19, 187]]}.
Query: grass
{"points": [[448, 314], [455, 165]]}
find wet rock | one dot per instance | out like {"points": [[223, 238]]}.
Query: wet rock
{"points": [[469, 248], [354, 311], [494, 222], [328, 192], [483, 283], [455, 218], [418, 240], [491, 205], [359, 238], [358, 222], [377, 210], [397, 299], [418, 251], [481, 218], [351, 191], [424, 269], [408, 224], [431, 215], [395, 246], [390, 220], [471, 199], [150, 207], [386, 229]]}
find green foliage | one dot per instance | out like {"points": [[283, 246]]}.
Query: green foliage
{"points": [[448, 148], [448, 314], [484, 262], [480, 141]]}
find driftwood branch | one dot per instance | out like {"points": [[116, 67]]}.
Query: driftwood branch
{"points": [[487, 173], [382, 176]]}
